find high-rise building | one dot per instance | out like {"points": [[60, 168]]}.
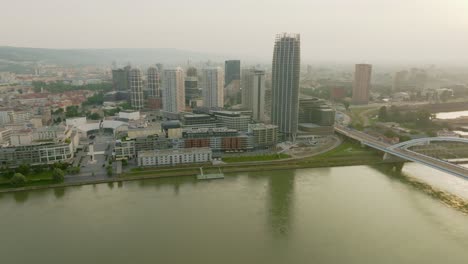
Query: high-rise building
{"points": [[213, 91], [120, 79], [232, 71], [253, 93], [173, 90], [136, 89], [232, 82], [285, 84], [191, 87], [361, 86], [153, 81]]}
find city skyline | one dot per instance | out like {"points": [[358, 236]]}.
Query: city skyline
{"points": [[339, 30]]}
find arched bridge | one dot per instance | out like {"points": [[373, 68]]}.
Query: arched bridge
{"points": [[401, 150], [424, 141]]}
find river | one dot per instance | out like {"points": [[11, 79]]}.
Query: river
{"points": [[451, 115], [329, 215]]}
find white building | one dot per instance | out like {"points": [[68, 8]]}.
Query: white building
{"points": [[174, 156], [129, 115], [233, 120], [213, 87], [173, 90]]}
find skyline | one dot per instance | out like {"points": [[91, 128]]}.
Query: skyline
{"points": [[364, 31]]}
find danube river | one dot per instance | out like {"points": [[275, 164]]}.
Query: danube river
{"points": [[329, 215]]}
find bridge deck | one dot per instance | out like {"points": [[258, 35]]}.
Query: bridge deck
{"points": [[372, 142]]}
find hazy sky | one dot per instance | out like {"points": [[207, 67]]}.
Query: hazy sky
{"points": [[331, 30]]}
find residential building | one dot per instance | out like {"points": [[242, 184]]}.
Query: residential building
{"points": [[173, 90], [285, 84], [361, 86], [213, 91], [136, 89], [153, 83], [253, 93], [264, 136]]}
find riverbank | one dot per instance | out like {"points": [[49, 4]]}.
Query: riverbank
{"points": [[447, 198], [346, 154]]}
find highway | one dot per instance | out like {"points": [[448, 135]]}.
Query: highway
{"points": [[405, 154]]}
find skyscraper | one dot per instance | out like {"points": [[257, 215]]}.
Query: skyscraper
{"points": [[191, 86], [173, 90], [361, 86], [232, 71], [253, 93], [285, 84], [136, 89], [232, 79], [120, 79], [213, 91], [153, 79]]}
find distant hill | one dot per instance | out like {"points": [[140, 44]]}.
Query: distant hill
{"points": [[101, 56]]}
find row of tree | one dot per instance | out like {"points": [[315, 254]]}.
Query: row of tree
{"points": [[419, 117]]}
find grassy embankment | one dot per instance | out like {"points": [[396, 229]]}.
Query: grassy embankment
{"points": [[33, 179], [347, 154]]}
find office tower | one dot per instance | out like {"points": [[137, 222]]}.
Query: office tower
{"points": [[253, 93], [120, 79], [285, 84], [136, 89], [191, 86], [232, 79], [173, 90], [213, 91], [361, 86], [232, 71]]}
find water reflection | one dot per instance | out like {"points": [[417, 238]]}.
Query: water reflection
{"points": [[21, 197], [280, 201], [59, 192]]}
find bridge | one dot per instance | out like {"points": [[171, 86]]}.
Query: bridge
{"points": [[401, 150]]}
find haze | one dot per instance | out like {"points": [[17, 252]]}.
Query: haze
{"points": [[333, 30]]}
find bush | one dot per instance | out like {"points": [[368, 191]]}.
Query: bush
{"points": [[109, 170], [18, 180], [24, 169], [58, 175]]}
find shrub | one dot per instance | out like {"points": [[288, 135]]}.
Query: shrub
{"points": [[18, 180]]}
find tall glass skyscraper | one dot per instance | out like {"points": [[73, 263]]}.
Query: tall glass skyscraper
{"points": [[285, 84], [136, 89], [231, 71]]}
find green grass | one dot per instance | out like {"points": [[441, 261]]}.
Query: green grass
{"points": [[256, 158]]}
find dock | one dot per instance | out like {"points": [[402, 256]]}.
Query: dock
{"points": [[210, 176]]}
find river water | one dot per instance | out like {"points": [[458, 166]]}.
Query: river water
{"points": [[451, 115], [330, 215]]}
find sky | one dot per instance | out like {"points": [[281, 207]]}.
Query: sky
{"points": [[331, 30]]}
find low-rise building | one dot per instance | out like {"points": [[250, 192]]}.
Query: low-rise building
{"points": [[264, 135], [172, 157], [35, 154], [233, 120]]}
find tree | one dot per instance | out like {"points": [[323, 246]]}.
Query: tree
{"points": [[24, 169], [346, 105], [58, 175], [18, 180], [109, 170], [383, 116]]}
